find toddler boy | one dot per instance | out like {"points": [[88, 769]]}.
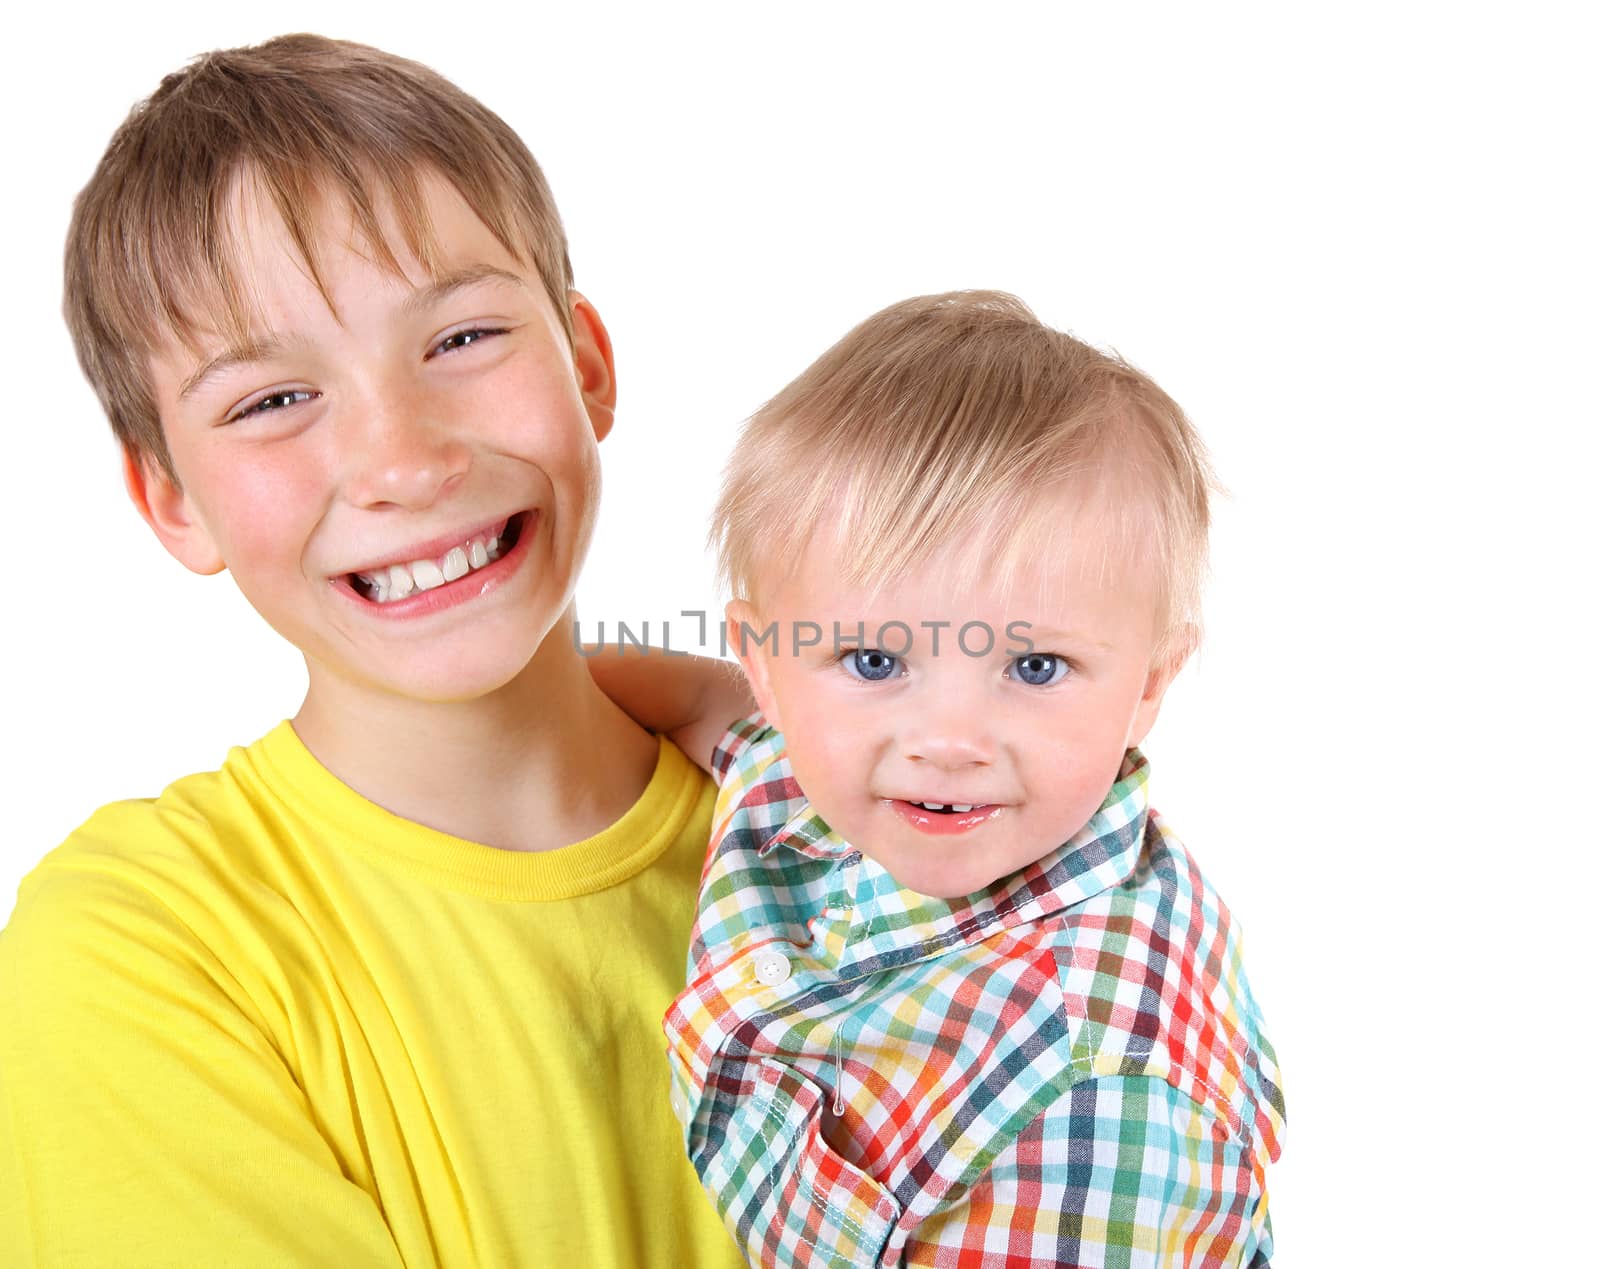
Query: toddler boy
{"points": [[384, 989], [957, 995]]}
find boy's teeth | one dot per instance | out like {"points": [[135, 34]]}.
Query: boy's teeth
{"points": [[960, 808], [399, 580]]}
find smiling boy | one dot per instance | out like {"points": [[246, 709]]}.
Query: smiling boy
{"points": [[957, 995], [384, 989]]}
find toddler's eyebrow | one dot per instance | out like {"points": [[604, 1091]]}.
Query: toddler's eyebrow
{"points": [[1041, 635]]}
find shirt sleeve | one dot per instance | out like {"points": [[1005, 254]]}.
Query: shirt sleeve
{"points": [[738, 737], [145, 1117], [1124, 1171]]}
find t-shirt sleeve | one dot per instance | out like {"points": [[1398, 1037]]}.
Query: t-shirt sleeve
{"points": [[1123, 1170], [145, 1117], [737, 738]]}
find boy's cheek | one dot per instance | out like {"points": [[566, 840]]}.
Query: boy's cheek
{"points": [[171, 514]]}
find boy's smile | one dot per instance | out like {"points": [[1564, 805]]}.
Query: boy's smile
{"points": [[404, 484], [424, 578], [950, 769]]}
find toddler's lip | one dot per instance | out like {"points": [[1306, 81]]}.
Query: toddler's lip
{"points": [[941, 823], [969, 803]]}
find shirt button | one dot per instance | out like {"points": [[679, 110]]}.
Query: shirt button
{"points": [[772, 968]]}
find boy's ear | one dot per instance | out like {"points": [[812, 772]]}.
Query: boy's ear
{"points": [[168, 511], [752, 656], [1156, 683], [594, 364]]}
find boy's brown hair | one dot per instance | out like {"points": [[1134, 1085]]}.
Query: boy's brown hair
{"points": [[963, 420], [149, 254]]}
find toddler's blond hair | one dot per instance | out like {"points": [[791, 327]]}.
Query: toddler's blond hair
{"points": [[961, 418]]}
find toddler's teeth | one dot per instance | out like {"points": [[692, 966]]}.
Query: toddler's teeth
{"points": [[455, 564], [479, 556], [427, 574], [492, 545], [400, 583], [960, 808]]}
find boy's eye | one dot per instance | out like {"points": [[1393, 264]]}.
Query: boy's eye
{"points": [[870, 664], [462, 338], [279, 400], [1039, 669]]}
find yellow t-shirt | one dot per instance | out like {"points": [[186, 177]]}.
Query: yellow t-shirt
{"points": [[261, 1021]]}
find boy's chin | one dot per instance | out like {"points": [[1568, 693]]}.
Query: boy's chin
{"points": [[442, 681]]}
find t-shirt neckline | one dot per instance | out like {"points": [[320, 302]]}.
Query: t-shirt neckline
{"points": [[617, 852]]}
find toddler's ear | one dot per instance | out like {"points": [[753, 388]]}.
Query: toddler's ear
{"points": [[168, 511], [1165, 669], [752, 654]]}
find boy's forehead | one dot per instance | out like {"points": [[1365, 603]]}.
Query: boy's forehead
{"points": [[265, 276]]}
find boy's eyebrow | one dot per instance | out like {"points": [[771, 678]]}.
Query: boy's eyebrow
{"points": [[250, 350], [456, 280], [418, 300]]}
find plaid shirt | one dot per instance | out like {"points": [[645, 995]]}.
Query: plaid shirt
{"points": [[1066, 1069]]}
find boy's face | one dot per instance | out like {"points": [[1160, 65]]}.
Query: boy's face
{"points": [[404, 489], [1030, 744]]}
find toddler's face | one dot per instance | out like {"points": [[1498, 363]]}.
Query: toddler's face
{"points": [[1015, 724]]}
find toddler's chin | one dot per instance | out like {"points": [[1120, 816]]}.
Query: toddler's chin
{"points": [[937, 882]]}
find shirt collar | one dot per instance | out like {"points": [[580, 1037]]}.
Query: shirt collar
{"points": [[890, 925]]}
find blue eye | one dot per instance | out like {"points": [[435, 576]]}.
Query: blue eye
{"points": [[871, 665], [1040, 669]]}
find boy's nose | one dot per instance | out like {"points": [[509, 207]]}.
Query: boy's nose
{"points": [[401, 458]]}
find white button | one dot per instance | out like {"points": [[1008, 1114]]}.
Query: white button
{"points": [[772, 968]]}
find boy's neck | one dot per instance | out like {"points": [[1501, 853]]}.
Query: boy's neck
{"points": [[544, 761]]}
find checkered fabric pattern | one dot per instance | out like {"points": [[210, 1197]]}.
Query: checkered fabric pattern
{"points": [[1067, 1069]]}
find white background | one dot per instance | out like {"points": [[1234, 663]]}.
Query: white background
{"points": [[1356, 243]]}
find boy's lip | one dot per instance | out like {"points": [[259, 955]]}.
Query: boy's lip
{"points": [[433, 548], [467, 587]]}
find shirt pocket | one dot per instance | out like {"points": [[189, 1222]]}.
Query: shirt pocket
{"points": [[788, 1197]]}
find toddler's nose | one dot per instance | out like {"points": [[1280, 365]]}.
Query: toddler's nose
{"points": [[948, 752], [949, 748]]}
